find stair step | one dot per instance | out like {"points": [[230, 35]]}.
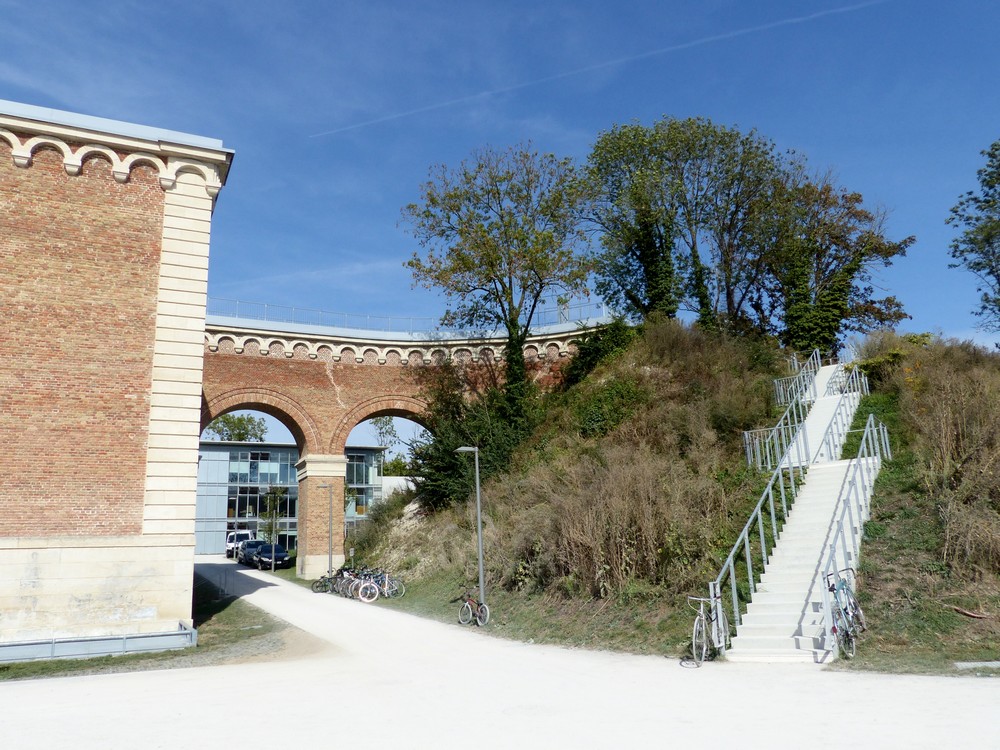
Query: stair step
{"points": [[778, 657], [808, 631], [785, 621]]}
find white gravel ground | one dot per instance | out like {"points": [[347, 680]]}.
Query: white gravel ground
{"points": [[388, 679]]}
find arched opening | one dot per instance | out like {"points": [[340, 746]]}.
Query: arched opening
{"points": [[379, 452], [247, 483]]}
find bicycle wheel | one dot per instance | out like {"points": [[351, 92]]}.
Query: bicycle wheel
{"points": [[368, 592], [320, 585], [727, 640], [396, 588], [857, 614], [699, 640], [846, 643], [482, 615], [465, 613]]}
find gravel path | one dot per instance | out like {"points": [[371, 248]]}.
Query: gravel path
{"points": [[375, 678]]}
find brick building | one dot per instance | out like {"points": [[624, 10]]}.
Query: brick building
{"points": [[104, 239]]}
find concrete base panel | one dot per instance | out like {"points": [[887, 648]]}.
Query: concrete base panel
{"points": [[83, 587], [312, 567]]}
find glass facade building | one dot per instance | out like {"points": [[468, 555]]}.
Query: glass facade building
{"points": [[238, 481]]}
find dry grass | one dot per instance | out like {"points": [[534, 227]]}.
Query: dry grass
{"points": [[634, 484], [609, 516], [950, 396]]}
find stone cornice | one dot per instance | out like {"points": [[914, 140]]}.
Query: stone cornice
{"points": [[76, 144], [247, 341]]}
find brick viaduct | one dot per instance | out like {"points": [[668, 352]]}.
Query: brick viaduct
{"points": [[108, 374], [320, 383]]}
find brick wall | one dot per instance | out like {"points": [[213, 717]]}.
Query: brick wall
{"points": [[103, 272], [79, 263]]}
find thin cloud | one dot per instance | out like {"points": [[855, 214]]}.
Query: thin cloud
{"points": [[714, 38]]}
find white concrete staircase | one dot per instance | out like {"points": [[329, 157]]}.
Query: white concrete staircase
{"points": [[784, 621]]}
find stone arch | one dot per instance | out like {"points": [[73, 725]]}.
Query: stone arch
{"points": [[139, 158], [12, 140], [381, 406], [287, 411], [177, 169], [40, 141]]}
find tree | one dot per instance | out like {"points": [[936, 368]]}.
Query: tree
{"points": [[501, 232], [680, 205], [977, 249], [385, 431], [636, 273], [397, 466], [702, 217], [819, 268], [270, 519], [238, 428]]}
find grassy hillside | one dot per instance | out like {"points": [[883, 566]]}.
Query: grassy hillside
{"points": [[930, 563], [631, 493]]}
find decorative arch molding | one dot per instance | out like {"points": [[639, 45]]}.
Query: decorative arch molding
{"points": [[168, 169], [302, 426], [390, 406], [227, 340]]}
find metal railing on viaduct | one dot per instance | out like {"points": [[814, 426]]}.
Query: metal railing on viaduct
{"points": [[569, 316]]}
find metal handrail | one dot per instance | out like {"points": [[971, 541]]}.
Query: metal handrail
{"points": [[783, 486], [854, 506], [852, 388], [785, 389], [770, 447]]}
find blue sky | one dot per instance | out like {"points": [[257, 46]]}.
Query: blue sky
{"points": [[337, 110]]}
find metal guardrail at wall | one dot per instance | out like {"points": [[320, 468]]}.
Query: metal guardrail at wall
{"points": [[852, 510], [110, 645], [561, 314]]}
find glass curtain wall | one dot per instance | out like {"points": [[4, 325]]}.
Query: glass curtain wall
{"points": [[252, 475], [364, 486]]}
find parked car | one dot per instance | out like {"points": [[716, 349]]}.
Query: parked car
{"points": [[265, 552], [247, 549], [233, 538]]}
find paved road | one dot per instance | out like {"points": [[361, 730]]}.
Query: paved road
{"points": [[392, 680]]}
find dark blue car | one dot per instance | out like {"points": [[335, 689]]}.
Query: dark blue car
{"points": [[264, 553]]}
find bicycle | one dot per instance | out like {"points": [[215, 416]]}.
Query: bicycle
{"points": [[848, 617], [323, 584], [473, 608], [708, 623]]}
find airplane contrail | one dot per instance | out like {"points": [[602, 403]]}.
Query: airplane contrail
{"points": [[606, 64]]}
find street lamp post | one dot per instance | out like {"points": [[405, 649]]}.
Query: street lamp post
{"points": [[479, 520], [330, 561]]}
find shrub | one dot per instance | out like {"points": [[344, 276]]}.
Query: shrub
{"points": [[596, 347]]}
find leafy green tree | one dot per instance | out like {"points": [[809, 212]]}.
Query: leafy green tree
{"points": [[397, 466], [705, 218], [977, 248], [821, 263], [680, 205], [453, 419], [501, 232], [239, 428], [636, 273], [270, 519]]}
